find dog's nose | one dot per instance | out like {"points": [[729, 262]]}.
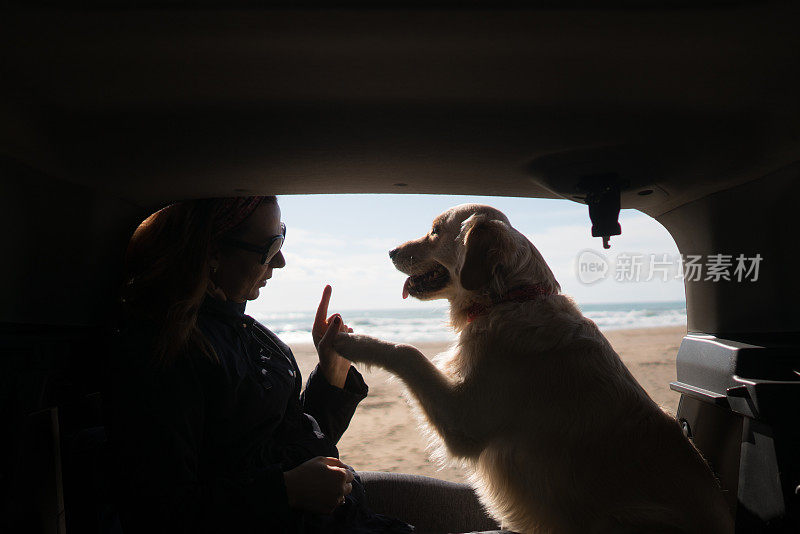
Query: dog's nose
{"points": [[393, 253]]}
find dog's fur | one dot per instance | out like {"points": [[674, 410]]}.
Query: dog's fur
{"points": [[560, 437]]}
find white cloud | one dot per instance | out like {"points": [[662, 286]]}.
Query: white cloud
{"points": [[380, 243], [363, 276], [302, 239], [641, 235]]}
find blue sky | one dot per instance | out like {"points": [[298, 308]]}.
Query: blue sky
{"points": [[344, 240]]}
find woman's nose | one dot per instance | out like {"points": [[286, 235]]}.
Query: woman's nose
{"points": [[278, 261]]}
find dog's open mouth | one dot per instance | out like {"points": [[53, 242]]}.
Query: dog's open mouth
{"points": [[427, 282]]}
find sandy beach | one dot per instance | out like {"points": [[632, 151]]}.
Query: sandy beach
{"points": [[384, 435]]}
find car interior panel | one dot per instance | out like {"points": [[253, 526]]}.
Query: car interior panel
{"points": [[110, 111]]}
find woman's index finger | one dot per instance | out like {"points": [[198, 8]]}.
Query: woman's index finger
{"points": [[322, 310]]}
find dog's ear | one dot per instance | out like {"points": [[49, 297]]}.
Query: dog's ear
{"points": [[481, 256]]}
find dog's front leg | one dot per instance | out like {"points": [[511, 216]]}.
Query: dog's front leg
{"points": [[443, 402]]}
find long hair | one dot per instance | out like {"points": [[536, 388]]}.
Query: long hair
{"points": [[167, 269]]}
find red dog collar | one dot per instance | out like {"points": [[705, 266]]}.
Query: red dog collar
{"points": [[519, 294]]}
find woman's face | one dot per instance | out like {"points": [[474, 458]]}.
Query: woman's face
{"points": [[240, 274]]}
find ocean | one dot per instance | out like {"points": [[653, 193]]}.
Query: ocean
{"points": [[430, 324]]}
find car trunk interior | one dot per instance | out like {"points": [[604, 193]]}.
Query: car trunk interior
{"points": [[110, 113]]}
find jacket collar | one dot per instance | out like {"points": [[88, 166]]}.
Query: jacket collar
{"points": [[224, 308]]}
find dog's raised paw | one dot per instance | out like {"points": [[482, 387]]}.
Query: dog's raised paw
{"points": [[367, 349], [354, 347]]}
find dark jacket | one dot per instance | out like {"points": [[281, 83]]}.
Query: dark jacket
{"points": [[202, 446]]}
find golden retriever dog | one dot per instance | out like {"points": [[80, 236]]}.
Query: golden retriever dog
{"points": [[557, 433]]}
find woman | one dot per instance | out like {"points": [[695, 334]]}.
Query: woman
{"points": [[210, 431]]}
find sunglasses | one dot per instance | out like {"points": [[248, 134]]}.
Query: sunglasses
{"points": [[268, 252]]}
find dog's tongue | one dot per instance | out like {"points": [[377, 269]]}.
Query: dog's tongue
{"points": [[405, 287]]}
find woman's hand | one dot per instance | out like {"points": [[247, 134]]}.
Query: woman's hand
{"points": [[318, 485], [333, 366]]}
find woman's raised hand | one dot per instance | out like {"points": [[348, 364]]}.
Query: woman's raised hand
{"points": [[318, 485], [333, 366]]}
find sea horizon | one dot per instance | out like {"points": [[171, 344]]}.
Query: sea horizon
{"points": [[431, 324]]}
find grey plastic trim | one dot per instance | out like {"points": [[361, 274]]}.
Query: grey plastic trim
{"points": [[699, 393]]}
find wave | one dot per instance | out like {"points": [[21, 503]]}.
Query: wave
{"points": [[410, 325], [637, 319]]}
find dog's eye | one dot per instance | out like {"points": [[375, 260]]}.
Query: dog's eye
{"points": [[435, 230]]}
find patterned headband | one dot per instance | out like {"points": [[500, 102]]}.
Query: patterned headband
{"points": [[231, 212]]}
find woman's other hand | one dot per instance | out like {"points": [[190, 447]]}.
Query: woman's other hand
{"points": [[318, 485], [333, 366]]}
